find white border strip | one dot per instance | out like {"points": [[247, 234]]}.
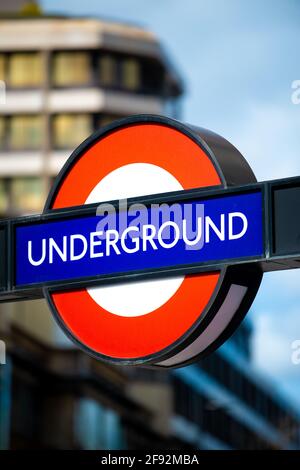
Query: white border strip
{"points": [[216, 327]]}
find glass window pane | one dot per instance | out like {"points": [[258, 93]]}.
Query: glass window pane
{"points": [[3, 197], [98, 427], [108, 72], [27, 194], [25, 132], [71, 68], [130, 74], [25, 69], [70, 130], [2, 132], [2, 67]]}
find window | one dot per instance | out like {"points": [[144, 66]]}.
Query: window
{"points": [[2, 132], [69, 130], [2, 67], [26, 194], [25, 69], [25, 132], [153, 78], [25, 407], [21, 195], [98, 427], [71, 68], [108, 70], [130, 74], [3, 197]]}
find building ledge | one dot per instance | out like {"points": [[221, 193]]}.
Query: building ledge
{"points": [[81, 100]]}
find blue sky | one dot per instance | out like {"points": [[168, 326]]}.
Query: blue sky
{"points": [[238, 60]]}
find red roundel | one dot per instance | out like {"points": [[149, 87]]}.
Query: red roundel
{"points": [[153, 321]]}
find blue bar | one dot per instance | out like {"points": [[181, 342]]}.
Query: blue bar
{"points": [[238, 213], [5, 403]]}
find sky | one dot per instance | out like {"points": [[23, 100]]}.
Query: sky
{"points": [[238, 60]]}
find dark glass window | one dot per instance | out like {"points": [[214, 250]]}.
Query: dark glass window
{"points": [[71, 69]]}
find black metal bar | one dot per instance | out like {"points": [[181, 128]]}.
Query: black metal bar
{"points": [[3, 258], [281, 203]]}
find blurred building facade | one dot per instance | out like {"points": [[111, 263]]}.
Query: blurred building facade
{"points": [[64, 78]]}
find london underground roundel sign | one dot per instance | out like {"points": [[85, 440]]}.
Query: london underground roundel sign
{"points": [[167, 320]]}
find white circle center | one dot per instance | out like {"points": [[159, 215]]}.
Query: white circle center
{"points": [[138, 298]]}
